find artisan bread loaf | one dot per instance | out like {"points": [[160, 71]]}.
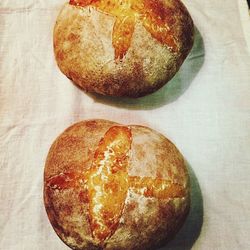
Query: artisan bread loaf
{"points": [[110, 186], [122, 47]]}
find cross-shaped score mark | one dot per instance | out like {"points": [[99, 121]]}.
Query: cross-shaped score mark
{"points": [[105, 185], [157, 18]]}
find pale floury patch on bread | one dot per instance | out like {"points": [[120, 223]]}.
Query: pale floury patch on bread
{"points": [[148, 218], [85, 53]]}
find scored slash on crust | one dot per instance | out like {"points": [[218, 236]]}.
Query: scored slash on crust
{"points": [[106, 183], [157, 19]]}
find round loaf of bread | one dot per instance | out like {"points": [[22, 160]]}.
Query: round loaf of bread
{"points": [[122, 47], [109, 186]]}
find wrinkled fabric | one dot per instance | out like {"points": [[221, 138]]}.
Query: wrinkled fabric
{"points": [[204, 110]]}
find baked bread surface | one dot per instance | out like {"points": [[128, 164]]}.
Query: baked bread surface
{"points": [[85, 54], [146, 222]]}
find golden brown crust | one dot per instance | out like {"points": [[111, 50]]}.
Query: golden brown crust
{"points": [[84, 52], [145, 222]]}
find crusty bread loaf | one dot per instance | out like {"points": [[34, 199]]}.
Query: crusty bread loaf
{"points": [[124, 48], [142, 178]]}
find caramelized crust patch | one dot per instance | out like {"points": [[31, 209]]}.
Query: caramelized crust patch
{"points": [[65, 181], [122, 35], [157, 188], [156, 17], [108, 182]]}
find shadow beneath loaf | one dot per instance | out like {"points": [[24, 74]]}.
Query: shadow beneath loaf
{"points": [[190, 231], [171, 91]]}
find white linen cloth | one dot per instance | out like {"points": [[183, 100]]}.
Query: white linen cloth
{"points": [[204, 110]]}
